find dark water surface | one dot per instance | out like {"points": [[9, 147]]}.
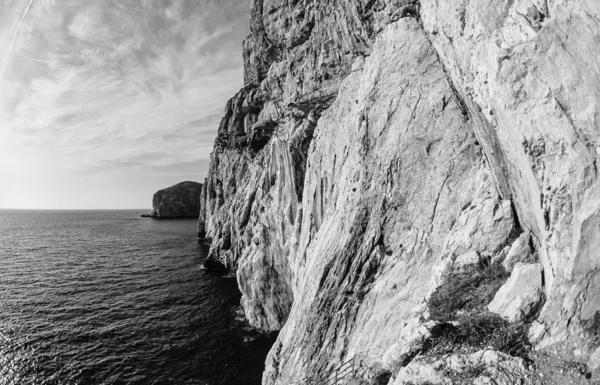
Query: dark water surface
{"points": [[106, 297]]}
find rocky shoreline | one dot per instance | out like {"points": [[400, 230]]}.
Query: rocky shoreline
{"points": [[153, 216], [412, 185]]}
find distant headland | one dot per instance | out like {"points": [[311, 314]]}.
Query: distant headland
{"points": [[179, 201]]}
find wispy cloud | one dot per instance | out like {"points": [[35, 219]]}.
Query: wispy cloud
{"points": [[137, 84], [14, 37]]}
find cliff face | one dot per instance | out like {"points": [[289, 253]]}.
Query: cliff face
{"points": [[379, 148], [179, 201], [528, 72]]}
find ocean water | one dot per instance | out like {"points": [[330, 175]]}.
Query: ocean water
{"points": [[106, 297]]}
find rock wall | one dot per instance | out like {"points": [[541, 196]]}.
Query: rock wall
{"points": [[380, 146], [528, 72]]}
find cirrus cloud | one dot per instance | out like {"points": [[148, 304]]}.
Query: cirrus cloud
{"points": [[135, 88]]}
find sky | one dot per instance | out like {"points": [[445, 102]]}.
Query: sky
{"points": [[104, 102]]}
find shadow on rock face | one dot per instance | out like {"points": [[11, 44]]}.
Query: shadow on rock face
{"points": [[382, 378], [214, 266]]}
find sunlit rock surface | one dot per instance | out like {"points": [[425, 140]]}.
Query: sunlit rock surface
{"points": [[528, 72], [489, 368], [380, 146], [521, 295]]}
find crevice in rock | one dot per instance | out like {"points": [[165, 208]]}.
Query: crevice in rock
{"points": [[547, 219], [457, 96], [304, 35], [439, 196], [247, 210], [261, 136], [316, 103], [481, 129], [408, 10]]}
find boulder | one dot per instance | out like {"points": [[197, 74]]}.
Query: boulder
{"points": [[536, 332], [179, 201], [519, 252], [594, 361], [521, 295]]}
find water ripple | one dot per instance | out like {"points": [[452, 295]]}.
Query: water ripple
{"points": [[109, 298]]}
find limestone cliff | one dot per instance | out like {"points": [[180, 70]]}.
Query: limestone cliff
{"points": [[179, 201], [382, 151]]}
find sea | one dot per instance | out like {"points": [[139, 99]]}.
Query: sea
{"points": [[108, 297]]}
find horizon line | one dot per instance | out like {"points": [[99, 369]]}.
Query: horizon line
{"points": [[71, 209]]}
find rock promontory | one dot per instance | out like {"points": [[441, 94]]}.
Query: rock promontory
{"points": [[178, 201]]}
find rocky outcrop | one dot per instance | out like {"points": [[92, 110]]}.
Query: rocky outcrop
{"points": [[482, 368], [520, 251], [179, 201], [520, 297], [386, 156]]}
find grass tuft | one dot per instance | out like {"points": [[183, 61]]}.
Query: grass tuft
{"points": [[465, 325], [592, 327], [466, 292], [472, 332]]}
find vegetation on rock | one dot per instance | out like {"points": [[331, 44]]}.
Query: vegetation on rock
{"points": [[464, 324]]}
